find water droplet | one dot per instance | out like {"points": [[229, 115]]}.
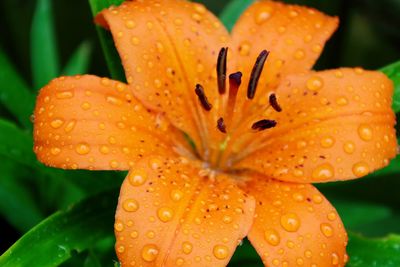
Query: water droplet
{"points": [[335, 259], [187, 247], [365, 132], [227, 219], [150, 252], [315, 83], [137, 177], [326, 229], [272, 237], [299, 54], [65, 94], [114, 164], [180, 261], [130, 205], [55, 151], [176, 195], [119, 226], [130, 24], [70, 126], [82, 149], [178, 22], [323, 172], [165, 214], [220, 252], [349, 147], [135, 40], [56, 123], [360, 169], [86, 106], [120, 249], [317, 199], [331, 216], [244, 49], [298, 197], [160, 47], [342, 101], [263, 15], [197, 17], [290, 222], [114, 100], [134, 234], [327, 142]]}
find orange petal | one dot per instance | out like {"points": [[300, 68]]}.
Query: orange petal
{"points": [[172, 214], [167, 47], [296, 226], [335, 125], [87, 122], [294, 35]]}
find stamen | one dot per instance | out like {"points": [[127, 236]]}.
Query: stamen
{"points": [[274, 103], [235, 79], [256, 73], [263, 125], [221, 70], [202, 97], [221, 125]]}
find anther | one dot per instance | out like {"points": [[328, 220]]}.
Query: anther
{"points": [[221, 125], [256, 73], [202, 97], [235, 79], [221, 70], [263, 125], [274, 103]]}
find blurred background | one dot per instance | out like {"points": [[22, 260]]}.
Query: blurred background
{"points": [[368, 36]]}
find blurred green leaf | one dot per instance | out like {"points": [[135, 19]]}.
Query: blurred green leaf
{"points": [[64, 234], [355, 214], [44, 55], [393, 72], [17, 197], [15, 94], [107, 43], [16, 144], [232, 12], [92, 260], [79, 61], [382, 252]]}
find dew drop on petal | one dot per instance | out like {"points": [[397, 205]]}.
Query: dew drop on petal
{"points": [[323, 172], [165, 214], [220, 252], [137, 177], [365, 132], [290, 222], [150, 252], [272, 237], [176, 195], [56, 123], [315, 83], [187, 247], [360, 169], [349, 147], [326, 229], [327, 142], [118, 226], [82, 149], [130, 205]]}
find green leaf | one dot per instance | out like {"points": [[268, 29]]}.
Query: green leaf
{"points": [[355, 213], [79, 61], [382, 252], [107, 43], [16, 197], [44, 55], [15, 94], [16, 144], [393, 72], [65, 233], [232, 12]]}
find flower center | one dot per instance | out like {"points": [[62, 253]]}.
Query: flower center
{"points": [[226, 119]]}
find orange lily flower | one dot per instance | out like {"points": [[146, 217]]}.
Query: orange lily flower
{"points": [[256, 146]]}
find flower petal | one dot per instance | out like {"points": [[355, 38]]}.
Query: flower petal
{"points": [[296, 226], [87, 122], [171, 214], [167, 47], [294, 35], [334, 125]]}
